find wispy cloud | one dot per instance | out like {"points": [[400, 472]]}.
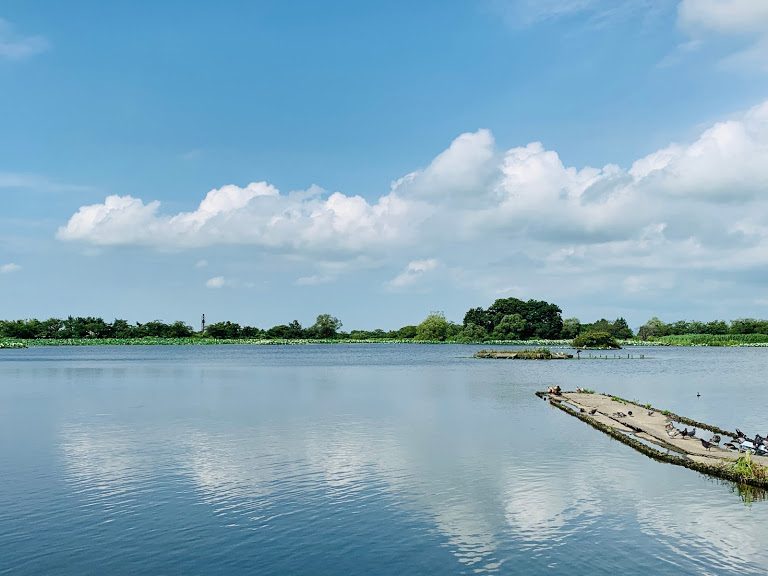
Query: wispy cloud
{"points": [[414, 271], [314, 280], [596, 13], [703, 20], [9, 268], [37, 182], [15, 46]]}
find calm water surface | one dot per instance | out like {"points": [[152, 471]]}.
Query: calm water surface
{"points": [[358, 459]]}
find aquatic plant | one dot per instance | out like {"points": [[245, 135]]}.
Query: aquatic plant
{"points": [[748, 469], [6, 343], [757, 340]]}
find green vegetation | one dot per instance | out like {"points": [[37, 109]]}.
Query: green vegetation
{"points": [[655, 328], [528, 354], [538, 354], [509, 321], [596, 340], [5, 343], [757, 340], [748, 469], [514, 319]]}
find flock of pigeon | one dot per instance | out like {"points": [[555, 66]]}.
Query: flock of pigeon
{"points": [[758, 445]]}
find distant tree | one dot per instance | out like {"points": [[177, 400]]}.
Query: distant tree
{"points": [[716, 327], [228, 330], [281, 331], [652, 329], [571, 328], [180, 329], [748, 326], [473, 333], [295, 330], [121, 329], [433, 327], [478, 317], [621, 329], [599, 340], [407, 332], [251, 332], [511, 327], [326, 326]]}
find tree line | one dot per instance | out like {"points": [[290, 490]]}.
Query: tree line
{"points": [[505, 319]]}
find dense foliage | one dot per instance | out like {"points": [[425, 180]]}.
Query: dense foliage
{"points": [[507, 320], [655, 328], [512, 319], [599, 340]]}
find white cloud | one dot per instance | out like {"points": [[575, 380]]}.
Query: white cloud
{"points": [[14, 46], [201, 264], [9, 268], [747, 19], [496, 218], [725, 16], [413, 272], [257, 214], [217, 282], [596, 13]]}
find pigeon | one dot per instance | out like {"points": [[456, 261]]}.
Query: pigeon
{"points": [[692, 433], [592, 412], [706, 444], [651, 412], [684, 433], [715, 439], [629, 412]]}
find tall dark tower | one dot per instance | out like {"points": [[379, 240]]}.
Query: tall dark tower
{"points": [[202, 324]]}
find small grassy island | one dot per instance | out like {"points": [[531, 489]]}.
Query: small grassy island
{"points": [[596, 341], [531, 354]]}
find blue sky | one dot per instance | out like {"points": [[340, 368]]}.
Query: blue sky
{"points": [[265, 161]]}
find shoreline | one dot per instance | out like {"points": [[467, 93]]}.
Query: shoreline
{"points": [[16, 343]]}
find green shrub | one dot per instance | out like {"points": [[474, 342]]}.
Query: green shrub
{"points": [[598, 340]]}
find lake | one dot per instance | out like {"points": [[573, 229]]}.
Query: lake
{"points": [[361, 459]]}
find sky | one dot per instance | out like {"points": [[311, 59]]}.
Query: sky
{"points": [[265, 161]]}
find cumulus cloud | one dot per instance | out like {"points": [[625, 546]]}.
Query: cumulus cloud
{"points": [[413, 272], [747, 19], [14, 46], [257, 214], [216, 282], [9, 268], [504, 217]]}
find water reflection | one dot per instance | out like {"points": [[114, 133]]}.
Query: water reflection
{"points": [[485, 471]]}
